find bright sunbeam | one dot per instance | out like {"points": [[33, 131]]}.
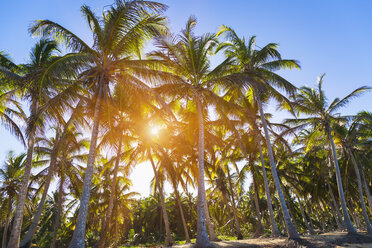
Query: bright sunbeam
{"points": [[154, 130]]}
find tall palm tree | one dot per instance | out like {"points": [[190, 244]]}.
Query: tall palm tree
{"points": [[186, 65], [118, 35], [38, 84], [320, 114], [348, 138], [256, 68], [11, 177]]}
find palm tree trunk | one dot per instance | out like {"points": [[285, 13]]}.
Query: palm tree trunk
{"points": [[259, 229], [27, 240], [274, 226], [57, 218], [210, 227], [178, 198], [366, 188], [339, 216], [8, 211], [78, 237], [232, 195], [168, 236], [292, 231], [311, 230], [18, 217], [349, 225], [359, 180], [320, 217], [107, 222], [202, 239]]}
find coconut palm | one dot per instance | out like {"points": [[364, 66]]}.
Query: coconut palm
{"points": [[320, 114], [118, 35], [47, 95], [348, 138], [11, 177], [256, 68]]}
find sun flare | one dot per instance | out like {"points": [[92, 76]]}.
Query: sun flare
{"points": [[154, 130]]}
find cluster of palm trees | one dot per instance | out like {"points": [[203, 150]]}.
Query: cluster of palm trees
{"points": [[213, 133]]}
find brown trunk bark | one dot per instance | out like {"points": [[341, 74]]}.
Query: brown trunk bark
{"points": [[232, 196], [168, 236], [57, 218], [107, 222], [8, 211], [18, 216], [187, 237], [78, 237]]}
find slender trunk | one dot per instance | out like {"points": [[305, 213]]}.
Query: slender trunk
{"points": [[274, 225], [322, 210], [116, 234], [8, 211], [292, 231], [18, 217], [349, 225], [366, 188], [232, 196], [336, 206], [187, 237], [281, 218], [259, 229], [309, 211], [311, 230], [78, 237], [353, 215], [320, 220], [210, 227], [359, 180], [107, 222], [57, 219], [27, 240], [168, 236], [202, 239]]}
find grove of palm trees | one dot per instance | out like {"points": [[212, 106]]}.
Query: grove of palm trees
{"points": [[197, 111]]}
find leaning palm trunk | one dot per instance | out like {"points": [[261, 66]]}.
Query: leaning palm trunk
{"points": [[349, 225], [210, 227], [57, 218], [339, 217], [26, 242], [274, 225], [168, 236], [18, 217], [366, 188], [232, 196], [202, 239], [8, 211], [107, 222], [365, 215], [78, 237], [259, 229], [178, 198], [291, 229], [311, 230]]}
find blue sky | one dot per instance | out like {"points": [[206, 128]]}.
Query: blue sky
{"points": [[332, 37]]}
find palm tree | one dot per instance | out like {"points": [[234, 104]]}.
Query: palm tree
{"points": [[313, 103], [256, 69], [38, 84], [11, 177], [118, 35], [186, 66], [349, 139]]}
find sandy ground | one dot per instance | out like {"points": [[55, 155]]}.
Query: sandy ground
{"points": [[334, 239]]}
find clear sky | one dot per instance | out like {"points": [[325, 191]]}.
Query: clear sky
{"points": [[333, 36]]}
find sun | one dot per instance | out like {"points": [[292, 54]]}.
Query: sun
{"points": [[154, 130]]}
